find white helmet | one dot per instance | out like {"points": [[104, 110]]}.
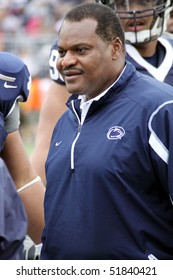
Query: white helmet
{"points": [[158, 9]]}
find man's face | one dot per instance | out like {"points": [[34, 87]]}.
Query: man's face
{"points": [[85, 60]]}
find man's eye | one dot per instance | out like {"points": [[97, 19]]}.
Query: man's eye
{"points": [[81, 50], [61, 53]]}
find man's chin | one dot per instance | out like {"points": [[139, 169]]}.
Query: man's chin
{"points": [[73, 89]]}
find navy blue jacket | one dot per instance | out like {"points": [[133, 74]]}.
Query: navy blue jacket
{"points": [[110, 181]]}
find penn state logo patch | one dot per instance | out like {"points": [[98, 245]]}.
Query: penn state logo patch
{"points": [[115, 132]]}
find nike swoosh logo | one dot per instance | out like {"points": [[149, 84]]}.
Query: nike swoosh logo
{"points": [[9, 86], [58, 143]]}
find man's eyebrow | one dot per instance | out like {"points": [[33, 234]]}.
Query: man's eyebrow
{"points": [[82, 44]]}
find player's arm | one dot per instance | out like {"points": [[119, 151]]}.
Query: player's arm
{"points": [[22, 173], [52, 108]]}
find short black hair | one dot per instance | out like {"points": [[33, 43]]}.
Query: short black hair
{"points": [[108, 23]]}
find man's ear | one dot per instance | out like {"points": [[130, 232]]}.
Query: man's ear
{"points": [[117, 48]]}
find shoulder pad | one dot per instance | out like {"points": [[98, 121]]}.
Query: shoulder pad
{"points": [[15, 82], [3, 133]]}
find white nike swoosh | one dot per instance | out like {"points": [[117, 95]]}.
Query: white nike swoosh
{"points": [[58, 143], [9, 86]]}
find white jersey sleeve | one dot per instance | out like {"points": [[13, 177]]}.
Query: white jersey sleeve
{"points": [[12, 121]]}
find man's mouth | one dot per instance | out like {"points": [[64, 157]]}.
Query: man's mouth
{"points": [[71, 74]]}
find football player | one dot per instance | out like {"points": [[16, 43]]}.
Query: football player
{"points": [[15, 82], [147, 47], [13, 218]]}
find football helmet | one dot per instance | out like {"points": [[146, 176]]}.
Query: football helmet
{"points": [[136, 11]]}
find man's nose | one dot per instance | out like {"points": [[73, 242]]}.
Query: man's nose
{"points": [[69, 59]]}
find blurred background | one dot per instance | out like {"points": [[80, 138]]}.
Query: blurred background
{"points": [[28, 29]]}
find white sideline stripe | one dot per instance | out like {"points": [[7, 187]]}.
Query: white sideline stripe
{"points": [[159, 148]]}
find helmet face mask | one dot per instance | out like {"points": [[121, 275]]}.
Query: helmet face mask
{"points": [[143, 20]]}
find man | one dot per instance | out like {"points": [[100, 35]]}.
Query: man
{"points": [[117, 130], [151, 57], [15, 84]]}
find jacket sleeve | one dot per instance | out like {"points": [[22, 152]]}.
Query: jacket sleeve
{"points": [[161, 144], [13, 222]]}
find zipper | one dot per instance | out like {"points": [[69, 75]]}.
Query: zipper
{"points": [[76, 138]]}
